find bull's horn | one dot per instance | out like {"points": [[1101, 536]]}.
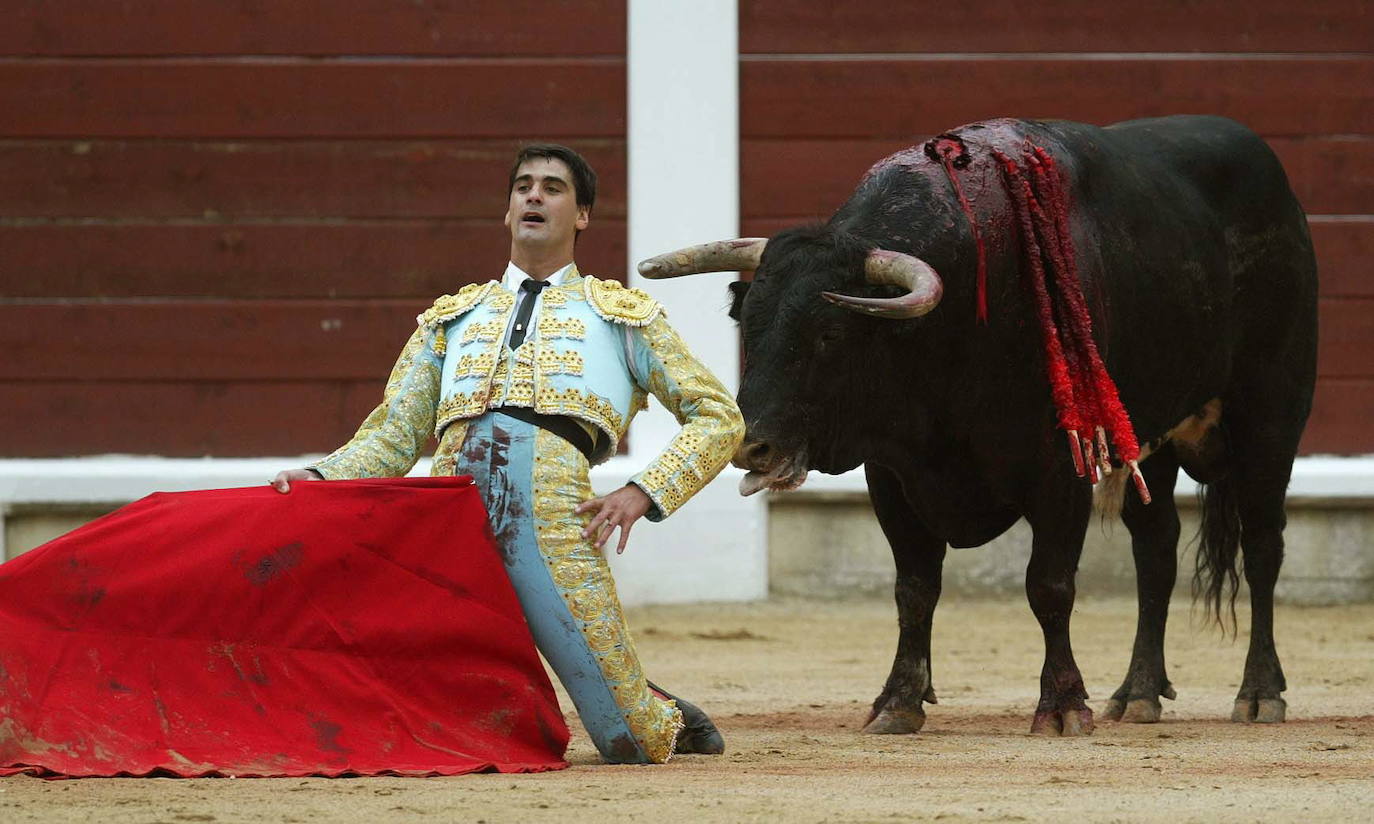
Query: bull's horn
{"points": [[922, 285], [741, 254]]}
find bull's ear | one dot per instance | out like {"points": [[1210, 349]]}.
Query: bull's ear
{"points": [[738, 290]]}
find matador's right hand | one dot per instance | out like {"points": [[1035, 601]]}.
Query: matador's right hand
{"points": [[282, 483]]}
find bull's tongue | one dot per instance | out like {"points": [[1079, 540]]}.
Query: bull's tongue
{"points": [[752, 482]]}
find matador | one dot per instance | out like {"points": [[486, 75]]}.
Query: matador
{"points": [[526, 382]]}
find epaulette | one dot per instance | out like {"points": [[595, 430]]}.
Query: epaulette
{"points": [[448, 307], [613, 302]]}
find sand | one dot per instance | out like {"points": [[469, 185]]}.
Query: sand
{"points": [[789, 682]]}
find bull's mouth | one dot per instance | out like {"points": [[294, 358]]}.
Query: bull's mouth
{"points": [[781, 477]]}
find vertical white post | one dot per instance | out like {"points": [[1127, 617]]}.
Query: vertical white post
{"points": [[683, 67]]}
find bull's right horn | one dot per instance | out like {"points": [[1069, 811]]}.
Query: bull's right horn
{"points": [[742, 254], [923, 287]]}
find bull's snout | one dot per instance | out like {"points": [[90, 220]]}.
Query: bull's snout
{"points": [[768, 467], [754, 455]]}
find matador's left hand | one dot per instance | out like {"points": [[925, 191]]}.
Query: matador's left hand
{"points": [[621, 509]]}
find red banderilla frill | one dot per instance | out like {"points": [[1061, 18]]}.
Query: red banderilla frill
{"points": [[1085, 397]]}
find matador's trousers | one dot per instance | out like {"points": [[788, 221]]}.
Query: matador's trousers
{"points": [[531, 480]]}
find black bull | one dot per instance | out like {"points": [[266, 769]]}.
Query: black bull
{"points": [[1194, 257]]}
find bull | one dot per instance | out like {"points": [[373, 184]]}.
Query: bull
{"points": [[902, 335]]}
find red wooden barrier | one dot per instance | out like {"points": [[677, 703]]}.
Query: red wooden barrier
{"points": [[868, 98], [280, 178], [327, 259], [285, 98], [805, 177], [869, 26], [134, 28]]}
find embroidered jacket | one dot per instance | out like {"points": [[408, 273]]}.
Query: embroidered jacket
{"points": [[595, 350]]}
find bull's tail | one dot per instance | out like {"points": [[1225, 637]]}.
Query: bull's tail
{"points": [[1217, 575]]}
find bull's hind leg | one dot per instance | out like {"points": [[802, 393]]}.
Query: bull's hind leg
{"points": [[919, 556], [1058, 524], [1154, 543], [1261, 487]]}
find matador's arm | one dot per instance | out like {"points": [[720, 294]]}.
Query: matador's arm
{"points": [[712, 427], [390, 440]]}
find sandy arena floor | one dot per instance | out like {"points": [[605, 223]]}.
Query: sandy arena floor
{"points": [[789, 683]]}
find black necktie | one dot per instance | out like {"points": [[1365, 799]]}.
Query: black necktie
{"points": [[529, 291]]}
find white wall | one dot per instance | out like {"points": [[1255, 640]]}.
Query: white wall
{"points": [[683, 60]]}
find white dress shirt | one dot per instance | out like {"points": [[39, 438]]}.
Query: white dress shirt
{"points": [[511, 280]]}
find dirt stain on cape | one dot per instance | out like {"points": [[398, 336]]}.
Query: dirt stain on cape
{"points": [[270, 566]]}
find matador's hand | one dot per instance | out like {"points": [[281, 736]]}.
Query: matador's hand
{"points": [[282, 483], [621, 509]]}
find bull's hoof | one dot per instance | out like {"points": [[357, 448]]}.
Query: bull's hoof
{"points": [[1066, 723], [1142, 709], [1259, 710], [1134, 711], [895, 722]]}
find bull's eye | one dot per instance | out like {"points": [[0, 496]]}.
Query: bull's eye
{"points": [[826, 338]]}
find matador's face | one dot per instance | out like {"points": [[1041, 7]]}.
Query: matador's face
{"points": [[543, 210]]}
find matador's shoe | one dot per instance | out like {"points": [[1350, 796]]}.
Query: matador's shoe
{"points": [[698, 734]]}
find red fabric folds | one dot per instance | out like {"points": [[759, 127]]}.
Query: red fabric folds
{"points": [[350, 627]]}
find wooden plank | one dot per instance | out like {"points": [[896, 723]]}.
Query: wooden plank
{"points": [[1330, 175], [497, 28], [273, 178], [1346, 338], [329, 259], [1344, 251], [225, 419], [898, 98], [868, 26], [1341, 412], [805, 179], [284, 98], [204, 341]]}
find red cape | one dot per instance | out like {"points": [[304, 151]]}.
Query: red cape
{"points": [[350, 627]]}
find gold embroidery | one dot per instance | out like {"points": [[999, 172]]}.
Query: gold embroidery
{"points": [[551, 327], [588, 406], [446, 455], [500, 301], [554, 298], [613, 302], [618, 665], [460, 405], [570, 573], [587, 604], [448, 307], [553, 362], [583, 579], [474, 366], [440, 342], [601, 636], [711, 424], [487, 331]]}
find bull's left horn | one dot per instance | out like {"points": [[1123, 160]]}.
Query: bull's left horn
{"points": [[741, 254], [923, 287]]}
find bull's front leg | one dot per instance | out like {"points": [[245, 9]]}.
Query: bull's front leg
{"points": [[1058, 526], [919, 557]]}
